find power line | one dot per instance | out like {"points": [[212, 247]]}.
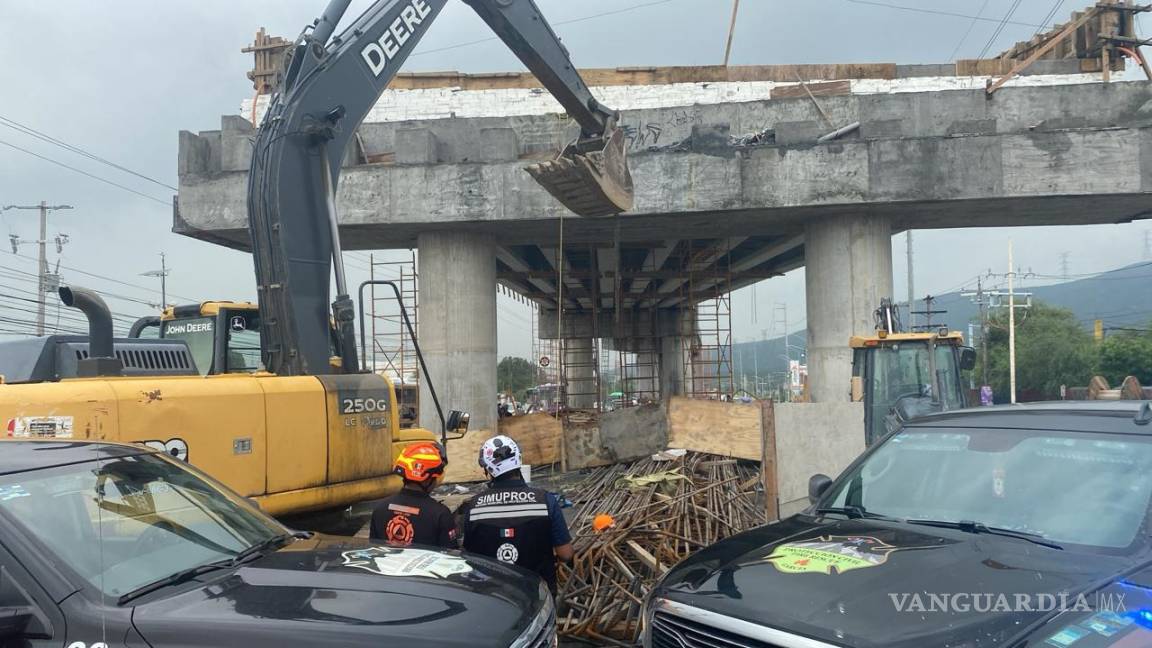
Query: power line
{"points": [[999, 28], [1051, 14], [937, 12], [28, 130], [166, 203], [975, 19], [557, 24], [116, 281]]}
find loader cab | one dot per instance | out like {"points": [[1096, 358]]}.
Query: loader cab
{"points": [[223, 337], [908, 374]]}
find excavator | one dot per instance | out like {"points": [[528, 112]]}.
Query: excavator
{"points": [[900, 375], [298, 426]]}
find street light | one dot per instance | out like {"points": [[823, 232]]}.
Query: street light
{"points": [[163, 274]]}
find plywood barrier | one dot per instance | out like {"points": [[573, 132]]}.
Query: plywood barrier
{"points": [[716, 427], [538, 436], [462, 453]]}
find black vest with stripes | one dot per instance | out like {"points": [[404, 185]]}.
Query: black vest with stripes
{"points": [[512, 525]]}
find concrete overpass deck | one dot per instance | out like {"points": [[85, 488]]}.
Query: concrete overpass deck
{"points": [[727, 194]]}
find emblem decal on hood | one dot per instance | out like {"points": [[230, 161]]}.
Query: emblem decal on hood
{"points": [[389, 561], [829, 554]]}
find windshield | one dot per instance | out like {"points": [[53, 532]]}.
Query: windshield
{"points": [[131, 521], [198, 332], [1088, 489]]}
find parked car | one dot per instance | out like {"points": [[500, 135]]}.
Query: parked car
{"points": [[999, 526], [106, 545]]}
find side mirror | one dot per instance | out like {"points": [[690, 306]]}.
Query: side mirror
{"points": [[967, 358], [15, 620], [817, 486], [458, 421]]}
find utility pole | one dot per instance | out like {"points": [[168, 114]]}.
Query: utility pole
{"points": [[163, 274], [911, 288], [731, 31], [42, 266], [1011, 327], [981, 300], [1064, 264]]}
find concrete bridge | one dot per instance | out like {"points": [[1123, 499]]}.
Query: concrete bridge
{"points": [[728, 193]]}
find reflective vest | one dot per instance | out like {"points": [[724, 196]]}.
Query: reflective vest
{"points": [[513, 526]]}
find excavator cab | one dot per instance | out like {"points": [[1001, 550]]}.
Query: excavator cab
{"points": [[901, 375], [222, 336]]}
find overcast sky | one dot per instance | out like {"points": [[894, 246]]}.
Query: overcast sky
{"points": [[120, 79]]}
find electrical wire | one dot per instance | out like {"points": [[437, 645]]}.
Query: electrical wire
{"points": [[28, 130], [1050, 15], [166, 203], [999, 28], [555, 24], [967, 32], [937, 12]]}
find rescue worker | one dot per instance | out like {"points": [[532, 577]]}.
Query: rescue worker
{"points": [[513, 522], [412, 516]]}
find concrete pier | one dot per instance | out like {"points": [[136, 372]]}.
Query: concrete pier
{"points": [[458, 325], [580, 372], [849, 270]]}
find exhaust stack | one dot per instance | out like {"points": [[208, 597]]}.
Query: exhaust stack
{"points": [[101, 360]]}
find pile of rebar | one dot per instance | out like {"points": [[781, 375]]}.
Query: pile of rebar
{"points": [[663, 512]]}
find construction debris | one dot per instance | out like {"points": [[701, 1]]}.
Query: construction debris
{"points": [[661, 512]]}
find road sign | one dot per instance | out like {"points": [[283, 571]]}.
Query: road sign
{"points": [[545, 361]]}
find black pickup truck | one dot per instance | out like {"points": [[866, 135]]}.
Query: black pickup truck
{"points": [[1012, 527], [108, 545]]}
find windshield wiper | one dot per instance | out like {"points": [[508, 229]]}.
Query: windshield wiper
{"points": [[268, 543], [856, 513], [185, 575], [182, 576], [969, 526]]}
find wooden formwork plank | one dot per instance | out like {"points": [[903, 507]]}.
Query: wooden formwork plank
{"points": [[715, 427]]}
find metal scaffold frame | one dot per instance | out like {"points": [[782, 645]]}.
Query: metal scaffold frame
{"points": [[392, 350], [708, 368]]}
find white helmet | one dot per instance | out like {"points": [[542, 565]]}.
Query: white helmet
{"points": [[499, 455]]}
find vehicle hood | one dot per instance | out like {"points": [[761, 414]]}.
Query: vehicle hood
{"points": [[329, 591], [869, 583]]}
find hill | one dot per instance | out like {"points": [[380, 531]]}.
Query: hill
{"points": [[1122, 298]]}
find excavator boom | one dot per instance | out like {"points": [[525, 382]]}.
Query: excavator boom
{"points": [[329, 86]]}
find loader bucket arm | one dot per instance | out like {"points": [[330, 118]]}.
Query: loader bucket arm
{"points": [[330, 85]]}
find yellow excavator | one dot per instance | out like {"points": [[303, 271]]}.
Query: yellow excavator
{"points": [[899, 375], [272, 400]]}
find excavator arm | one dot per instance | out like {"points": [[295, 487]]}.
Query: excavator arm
{"points": [[329, 86]]}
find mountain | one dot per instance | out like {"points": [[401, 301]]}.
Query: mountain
{"points": [[1121, 298]]}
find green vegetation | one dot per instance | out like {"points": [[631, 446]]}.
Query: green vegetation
{"points": [[1053, 349], [515, 375]]}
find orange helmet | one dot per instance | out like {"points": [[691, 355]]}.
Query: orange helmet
{"points": [[420, 461]]}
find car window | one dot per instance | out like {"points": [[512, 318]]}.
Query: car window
{"points": [[127, 522], [1089, 489]]}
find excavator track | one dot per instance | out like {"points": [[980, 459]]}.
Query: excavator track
{"points": [[597, 183]]}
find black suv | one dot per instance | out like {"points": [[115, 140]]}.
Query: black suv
{"points": [[1001, 526], [108, 545]]}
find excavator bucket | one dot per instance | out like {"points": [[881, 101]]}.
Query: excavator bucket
{"points": [[595, 183]]}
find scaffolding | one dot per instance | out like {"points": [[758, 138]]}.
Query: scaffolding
{"points": [[391, 350], [707, 303]]}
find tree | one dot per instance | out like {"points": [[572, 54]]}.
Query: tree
{"points": [[515, 375], [1126, 354], [1052, 349]]}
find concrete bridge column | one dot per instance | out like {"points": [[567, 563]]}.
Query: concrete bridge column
{"points": [[580, 372], [848, 263], [458, 326]]}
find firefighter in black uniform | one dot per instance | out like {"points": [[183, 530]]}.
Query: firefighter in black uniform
{"points": [[512, 521], [412, 516]]}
